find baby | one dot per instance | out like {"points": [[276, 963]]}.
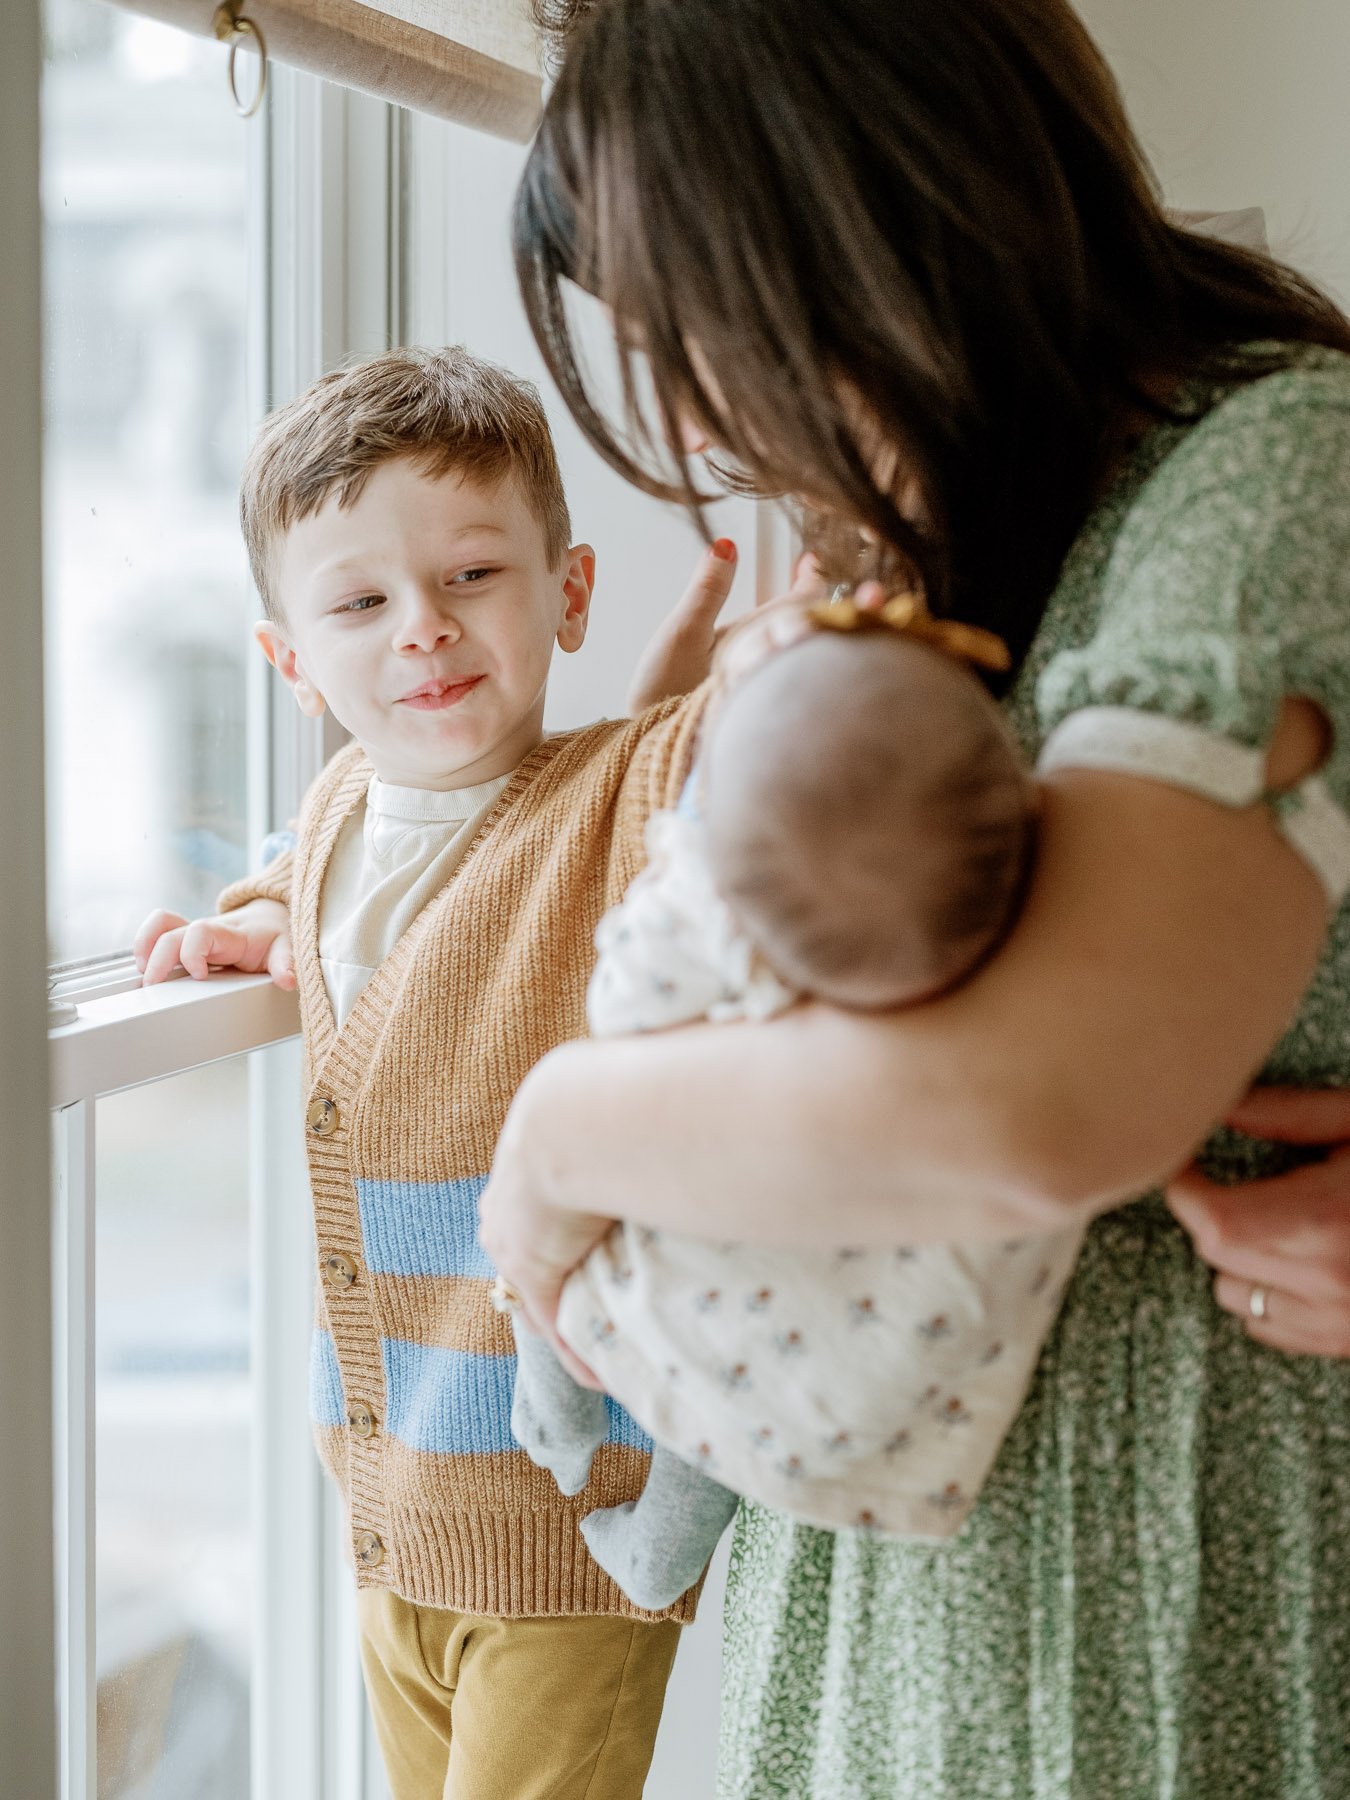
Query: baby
{"points": [[861, 833]]}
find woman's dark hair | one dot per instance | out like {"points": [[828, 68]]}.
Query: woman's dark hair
{"points": [[916, 227]]}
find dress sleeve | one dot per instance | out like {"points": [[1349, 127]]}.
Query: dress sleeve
{"points": [[1226, 590], [663, 744]]}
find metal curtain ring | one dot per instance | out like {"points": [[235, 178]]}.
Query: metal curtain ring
{"points": [[1258, 1303], [232, 28]]}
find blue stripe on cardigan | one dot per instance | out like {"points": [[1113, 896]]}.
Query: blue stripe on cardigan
{"points": [[325, 1382], [423, 1227], [452, 1402]]}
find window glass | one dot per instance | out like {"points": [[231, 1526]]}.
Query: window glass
{"points": [[147, 599], [173, 1537]]}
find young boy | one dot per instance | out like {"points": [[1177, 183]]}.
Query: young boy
{"points": [[409, 536]]}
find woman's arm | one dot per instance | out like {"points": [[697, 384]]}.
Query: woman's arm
{"points": [[1162, 952]]}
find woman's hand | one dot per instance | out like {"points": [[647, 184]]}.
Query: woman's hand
{"points": [[1281, 1247], [533, 1245]]}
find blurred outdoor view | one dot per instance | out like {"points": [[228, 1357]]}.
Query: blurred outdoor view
{"points": [[173, 1537], [148, 609], [147, 598]]}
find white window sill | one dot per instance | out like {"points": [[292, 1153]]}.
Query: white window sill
{"points": [[145, 1034]]}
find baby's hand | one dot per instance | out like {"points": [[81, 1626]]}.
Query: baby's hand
{"points": [[256, 939]]}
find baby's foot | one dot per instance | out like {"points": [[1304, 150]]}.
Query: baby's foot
{"points": [[658, 1545]]}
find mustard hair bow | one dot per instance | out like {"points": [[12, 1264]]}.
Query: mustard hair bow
{"points": [[908, 616]]}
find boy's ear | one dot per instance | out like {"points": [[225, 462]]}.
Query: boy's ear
{"points": [[578, 583], [283, 659]]}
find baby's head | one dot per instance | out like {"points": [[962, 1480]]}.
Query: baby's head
{"points": [[869, 817], [409, 536]]}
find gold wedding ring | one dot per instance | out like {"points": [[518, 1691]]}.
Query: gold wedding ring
{"points": [[504, 1297]]}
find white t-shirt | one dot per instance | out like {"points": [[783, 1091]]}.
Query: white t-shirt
{"points": [[392, 856]]}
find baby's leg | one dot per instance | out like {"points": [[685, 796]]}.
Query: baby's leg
{"points": [[657, 1545], [559, 1423]]}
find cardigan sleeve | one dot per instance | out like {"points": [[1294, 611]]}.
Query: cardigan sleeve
{"points": [[270, 883], [275, 881]]}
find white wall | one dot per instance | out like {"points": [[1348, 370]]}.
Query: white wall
{"points": [[1244, 103]]}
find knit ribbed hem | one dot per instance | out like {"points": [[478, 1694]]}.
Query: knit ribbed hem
{"points": [[533, 1565], [498, 1563]]}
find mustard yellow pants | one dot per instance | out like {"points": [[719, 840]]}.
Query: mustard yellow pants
{"points": [[512, 1709]]}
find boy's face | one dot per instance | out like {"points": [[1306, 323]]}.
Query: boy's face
{"points": [[424, 615]]}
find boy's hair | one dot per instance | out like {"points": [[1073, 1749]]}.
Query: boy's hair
{"points": [[447, 410]]}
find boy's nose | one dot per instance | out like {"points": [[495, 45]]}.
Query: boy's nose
{"points": [[425, 625]]}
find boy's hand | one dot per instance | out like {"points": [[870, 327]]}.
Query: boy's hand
{"points": [[256, 940], [681, 655]]}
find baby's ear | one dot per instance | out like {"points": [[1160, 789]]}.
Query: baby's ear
{"points": [[286, 663], [577, 587]]}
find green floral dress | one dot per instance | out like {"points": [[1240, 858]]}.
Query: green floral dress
{"points": [[1151, 1600]]}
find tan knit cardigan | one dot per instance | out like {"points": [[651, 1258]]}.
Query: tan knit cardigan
{"points": [[412, 1367]]}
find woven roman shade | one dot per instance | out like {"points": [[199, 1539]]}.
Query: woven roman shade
{"points": [[476, 61]]}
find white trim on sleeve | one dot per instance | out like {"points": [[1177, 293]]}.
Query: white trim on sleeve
{"points": [[1185, 755], [1162, 749], [1316, 825]]}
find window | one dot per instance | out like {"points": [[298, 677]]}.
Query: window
{"points": [[175, 1588], [146, 591]]}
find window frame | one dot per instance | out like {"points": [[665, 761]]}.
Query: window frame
{"points": [[28, 1739]]}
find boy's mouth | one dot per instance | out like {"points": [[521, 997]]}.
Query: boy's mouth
{"points": [[433, 696]]}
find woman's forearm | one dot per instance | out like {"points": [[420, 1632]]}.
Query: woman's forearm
{"points": [[1161, 954], [726, 1132]]}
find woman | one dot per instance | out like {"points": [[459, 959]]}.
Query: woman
{"points": [[906, 262]]}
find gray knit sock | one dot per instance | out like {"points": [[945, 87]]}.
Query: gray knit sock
{"points": [[559, 1423], [658, 1545]]}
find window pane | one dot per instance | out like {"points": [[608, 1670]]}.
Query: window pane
{"points": [[174, 1444], [147, 598]]}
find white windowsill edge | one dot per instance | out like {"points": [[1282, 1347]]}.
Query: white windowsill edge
{"points": [[146, 1034]]}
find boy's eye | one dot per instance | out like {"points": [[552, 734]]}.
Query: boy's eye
{"points": [[466, 576], [362, 604]]}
